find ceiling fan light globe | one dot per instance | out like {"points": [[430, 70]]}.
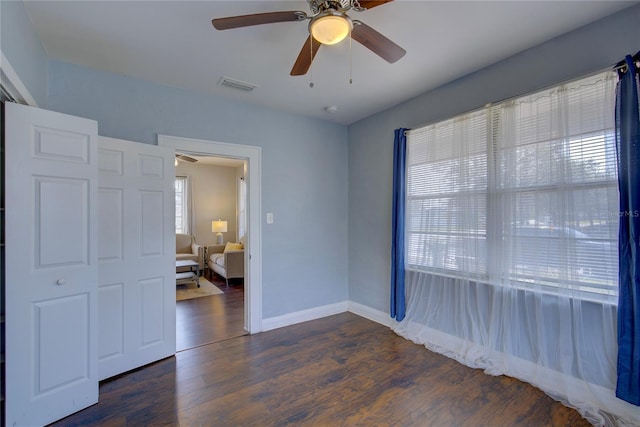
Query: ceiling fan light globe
{"points": [[330, 29]]}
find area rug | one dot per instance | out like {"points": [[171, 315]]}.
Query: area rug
{"points": [[190, 290]]}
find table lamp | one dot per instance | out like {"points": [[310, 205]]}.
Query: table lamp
{"points": [[219, 227]]}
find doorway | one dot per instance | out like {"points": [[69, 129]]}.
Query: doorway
{"points": [[210, 206], [252, 155]]}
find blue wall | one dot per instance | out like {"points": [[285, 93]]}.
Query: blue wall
{"points": [[583, 51], [23, 49], [304, 171]]}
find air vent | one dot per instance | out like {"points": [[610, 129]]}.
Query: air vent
{"points": [[236, 84]]}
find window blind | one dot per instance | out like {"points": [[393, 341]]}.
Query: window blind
{"points": [[520, 193]]}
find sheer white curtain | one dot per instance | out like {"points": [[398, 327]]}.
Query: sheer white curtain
{"points": [[511, 231], [191, 212], [242, 208]]}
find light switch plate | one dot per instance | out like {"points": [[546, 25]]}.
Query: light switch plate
{"points": [[269, 217]]}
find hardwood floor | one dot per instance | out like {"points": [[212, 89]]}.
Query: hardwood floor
{"points": [[341, 370], [206, 320]]}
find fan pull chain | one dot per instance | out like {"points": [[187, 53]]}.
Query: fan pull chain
{"points": [[311, 63], [350, 60]]}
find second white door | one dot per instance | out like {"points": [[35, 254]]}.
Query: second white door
{"points": [[136, 255]]}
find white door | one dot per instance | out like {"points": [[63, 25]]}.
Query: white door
{"points": [[136, 255], [51, 265]]}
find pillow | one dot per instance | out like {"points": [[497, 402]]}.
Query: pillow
{"points": [[233, 247]]}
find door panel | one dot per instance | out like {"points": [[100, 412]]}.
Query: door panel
{"points": [[152, 236], [136, 255], [111, 326], [151, 167], [151, 311], [69, 355], [69, 225], [51, 265], [57, 144], [111, 230], [111, 162]]}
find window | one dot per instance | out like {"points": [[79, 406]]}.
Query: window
{"points": [[521, 193], [446, 195], [182, 210]]}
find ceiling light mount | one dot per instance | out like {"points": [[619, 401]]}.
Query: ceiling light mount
{"points": [[318, 6], [330, 27]]}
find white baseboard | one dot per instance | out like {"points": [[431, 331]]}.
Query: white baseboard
{"points": [[304, 315], [328, 310], [371, 314]]}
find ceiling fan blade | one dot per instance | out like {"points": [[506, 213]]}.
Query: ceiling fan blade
{"points": [[305, 58], [186, 158], [368, 4], [257, 19], [376, 42]]}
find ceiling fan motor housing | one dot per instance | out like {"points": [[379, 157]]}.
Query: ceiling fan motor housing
{"points": [[318, 6]]}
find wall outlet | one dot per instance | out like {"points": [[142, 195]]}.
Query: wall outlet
{"points": [[269, 217]]}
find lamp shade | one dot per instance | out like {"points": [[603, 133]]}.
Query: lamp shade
{"points": [[219, 226], [330, 28]]}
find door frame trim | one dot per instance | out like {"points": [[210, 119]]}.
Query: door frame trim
{"points": [[13, 84], [253, 257]]}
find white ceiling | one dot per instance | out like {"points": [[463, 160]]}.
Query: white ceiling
{"points": [[174, 43]]}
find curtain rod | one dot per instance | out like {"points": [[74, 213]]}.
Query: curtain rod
{"points": [[619, 66], [623, 67]]}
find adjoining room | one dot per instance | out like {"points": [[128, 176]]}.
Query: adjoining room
{"points": [[211, 227]]}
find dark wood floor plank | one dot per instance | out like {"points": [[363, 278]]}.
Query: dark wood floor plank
{"points": [[210, 319], [338, 371]]}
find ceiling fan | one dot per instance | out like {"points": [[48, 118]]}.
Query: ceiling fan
{"points": [[185, 158], [328, 24]]}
